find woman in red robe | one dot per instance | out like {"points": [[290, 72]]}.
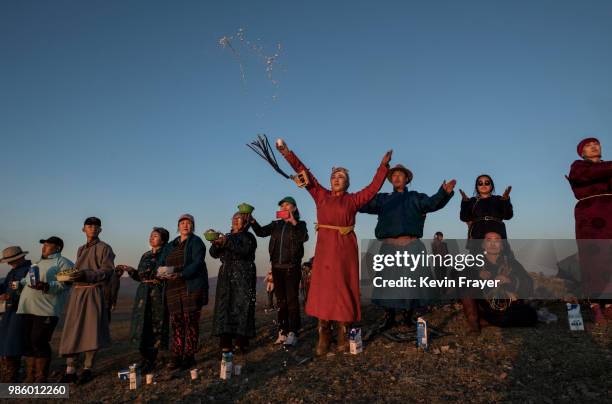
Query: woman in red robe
{"points": [[334, 287], [591, 181]]}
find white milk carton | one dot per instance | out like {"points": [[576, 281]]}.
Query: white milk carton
{"points": [[574, 317], [227, 366], [422, 334], [355, 341], [135, 380]]}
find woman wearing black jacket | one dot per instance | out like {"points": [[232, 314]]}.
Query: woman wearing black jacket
{"points": [[483, 213], [287, 238]]}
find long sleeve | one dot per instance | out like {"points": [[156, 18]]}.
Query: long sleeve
{"points": [[55, 287], [301, 232], [584, 172], [506, 208], [135, 276], [522, 283], [314, 188], [197, 265], [373, 206], [262, 231], [4, 286], [366, 194], [435, 202], [216, 251], [242, 245], [466, 214], [106, 260], [115, 285]]}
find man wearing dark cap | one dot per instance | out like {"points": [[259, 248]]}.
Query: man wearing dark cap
{"points": [[287, 238], [401, 218], [40, 307], [86, 327]]}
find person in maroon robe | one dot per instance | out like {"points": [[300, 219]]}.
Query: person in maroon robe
{"points": [[591, 182], [334, 289]]}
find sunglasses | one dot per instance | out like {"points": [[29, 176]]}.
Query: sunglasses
{"points": [[481, 183]]}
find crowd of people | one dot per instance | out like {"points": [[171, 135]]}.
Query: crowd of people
{"points": [[173, 277]]}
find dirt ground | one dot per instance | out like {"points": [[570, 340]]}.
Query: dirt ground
{"points": [[544, 364]]}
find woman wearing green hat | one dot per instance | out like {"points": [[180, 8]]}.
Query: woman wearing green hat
{"points": [[287, 237]]}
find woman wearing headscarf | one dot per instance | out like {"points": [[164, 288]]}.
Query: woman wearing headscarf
{"points": [[334, 293], [591, 182], [234, 314], [484, 212], [186, 291], [150, 323]]}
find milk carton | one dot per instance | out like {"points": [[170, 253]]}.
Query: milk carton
{"points": [[355, 341], [123, 374], [227, 366], [574, 317], [33, 275], [422, 334], [135, 380]]}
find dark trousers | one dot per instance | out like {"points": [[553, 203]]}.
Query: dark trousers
{"points": [[185, 333], [516, 315], [287, 291], [270, 299], [225, 342], [38, 333], [147, 342]]}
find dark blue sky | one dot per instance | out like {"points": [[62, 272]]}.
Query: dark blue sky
{"points": [[131, 111]]}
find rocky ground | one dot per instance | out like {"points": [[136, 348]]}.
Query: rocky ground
{"points": [[545, 364]]}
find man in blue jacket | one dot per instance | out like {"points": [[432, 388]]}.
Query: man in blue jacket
{"points": [[401, 218]]}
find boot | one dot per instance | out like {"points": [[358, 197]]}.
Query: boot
{"points": [[598, 315], [388, 320], [342, 340], [188, 362], [407, 317], [29, 365], [324, 338], [175, 363], [3, 370], [470, 309], [11, 369], [608, 311], [41, 369]]}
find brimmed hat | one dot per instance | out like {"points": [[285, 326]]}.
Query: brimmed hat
{"points": [[399, 167], [13, 253], [55, 241], [583, 143]]}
